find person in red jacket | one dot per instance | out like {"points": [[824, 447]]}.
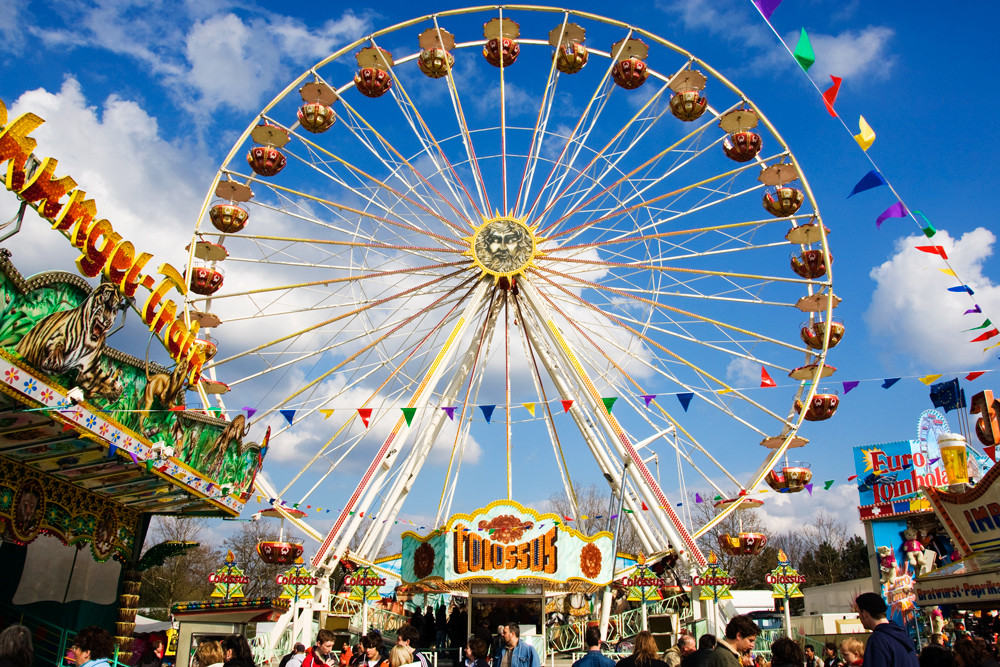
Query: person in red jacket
{"points": [[321, 655]]}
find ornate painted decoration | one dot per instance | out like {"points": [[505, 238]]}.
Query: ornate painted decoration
{"points": [[502, 246], [296, 583], [714, 581], [228, 580], [503, 542], [32, 503], [643, 585], [364, 584], [785, 579]]}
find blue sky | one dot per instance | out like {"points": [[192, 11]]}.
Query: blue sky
{"points": [[143, 102]]}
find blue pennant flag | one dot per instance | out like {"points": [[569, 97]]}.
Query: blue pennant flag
{"points": [[888, 382], [872, 179], [288, 415], [685, 400], [488, 411]]}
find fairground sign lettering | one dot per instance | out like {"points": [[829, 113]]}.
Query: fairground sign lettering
{"points": [[102, 249], [473, 553], [378, 582]]}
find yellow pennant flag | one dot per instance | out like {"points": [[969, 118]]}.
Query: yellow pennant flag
{"points": [[530, 407], [947, 272], [326, 413], [990, 347], [720, 392], [930, 379], [867, 136]]}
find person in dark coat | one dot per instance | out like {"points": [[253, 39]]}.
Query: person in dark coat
{"points": [[889, 645], [15, 647], [644, 654], [786, 652], [706, 644], [237, 651], [428, 631]]}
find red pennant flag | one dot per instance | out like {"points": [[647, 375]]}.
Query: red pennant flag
{"points": [[986, 336], [644, 507], [830, 95], [566, 518], [933, 250], [567, 404], [991, 451], [365, 414], [973, 375], [852, 477], [765, 379]]}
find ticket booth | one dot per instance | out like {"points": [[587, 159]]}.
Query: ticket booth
{"points": [[204, 621]]}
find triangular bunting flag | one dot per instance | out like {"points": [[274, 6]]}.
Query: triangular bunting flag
{"points": [[488, 411], [976, 309], [609, 402], [852, 477], [830, 95], [365, 414], [809, 488], [961, 288], [930, 379], [973, 375], [697, 498], [981, 326], [985, 336], [991, 451], [250, 411], [929, 230], [897, 210], [530, 407], [648, 398], [111, 451], [827, 484], [288, 415], [326, 413], [872, 179], [408, 415], [450, 411], [767, 7], [645, 509], [850, 384], [933, 249], [567, 403], [765, 379], [888, 382], [804, 53], [934, 460], [948, 272], [867, 136], [685, 399]]}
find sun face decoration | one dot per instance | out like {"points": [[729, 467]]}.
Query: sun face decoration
{"points": [[502, 246]]}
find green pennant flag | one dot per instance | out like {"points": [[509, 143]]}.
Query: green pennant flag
{"points": [[827, 484], [149, 464], [609, 403], [717, 498], [408, 414], [981, 326], [804, 52], [629, 511]]}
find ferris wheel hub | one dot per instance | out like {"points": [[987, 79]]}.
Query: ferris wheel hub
{"points": [[503, 246]]}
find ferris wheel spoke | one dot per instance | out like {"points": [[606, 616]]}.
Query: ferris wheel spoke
{"points": [[701, 372], [346, 244], [602, 89], [426, 136], [358, 171], [351, 313]]}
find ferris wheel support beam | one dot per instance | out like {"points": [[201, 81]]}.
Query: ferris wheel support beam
{"points": [[645, 483], [600, 451], [327, 554], [422, 446]]}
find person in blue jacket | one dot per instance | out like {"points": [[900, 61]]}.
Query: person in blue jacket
{"points": [[593, 657], [515, 652], [889, 645]]}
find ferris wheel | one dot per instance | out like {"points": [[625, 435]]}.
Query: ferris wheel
{"points": [[498, 252]]}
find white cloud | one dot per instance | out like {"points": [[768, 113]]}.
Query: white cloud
{"points": [[850, 54], [912, 314], [787, 513]]}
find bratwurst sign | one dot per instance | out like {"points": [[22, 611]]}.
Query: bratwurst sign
{"points": [[504, 542]]}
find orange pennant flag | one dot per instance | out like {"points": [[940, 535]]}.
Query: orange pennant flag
{"points": [[765, 379]]}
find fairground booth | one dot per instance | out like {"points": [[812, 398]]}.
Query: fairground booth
{"points": [[94, 441], [925, 541]]}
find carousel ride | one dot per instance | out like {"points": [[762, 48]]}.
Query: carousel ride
{"points": [[531, 238]]}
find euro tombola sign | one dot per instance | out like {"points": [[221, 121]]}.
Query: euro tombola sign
{"points": [[506, 541]]}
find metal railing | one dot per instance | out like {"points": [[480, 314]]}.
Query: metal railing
{"points": [[49, 641]]}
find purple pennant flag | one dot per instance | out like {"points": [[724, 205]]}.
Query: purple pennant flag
{"points": [[697, 498], [250, 411], [872, 179], [809, 488], [289, 415], [897, 210], [685, 400], [648, 398], [851, 384], [450, 411], [888, 382], [767, 7], [488, 411], [933, 461], [977, 309]]}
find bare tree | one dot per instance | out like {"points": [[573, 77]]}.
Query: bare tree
{"points": [[181, 578], [243, 544], [597, 505]]}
